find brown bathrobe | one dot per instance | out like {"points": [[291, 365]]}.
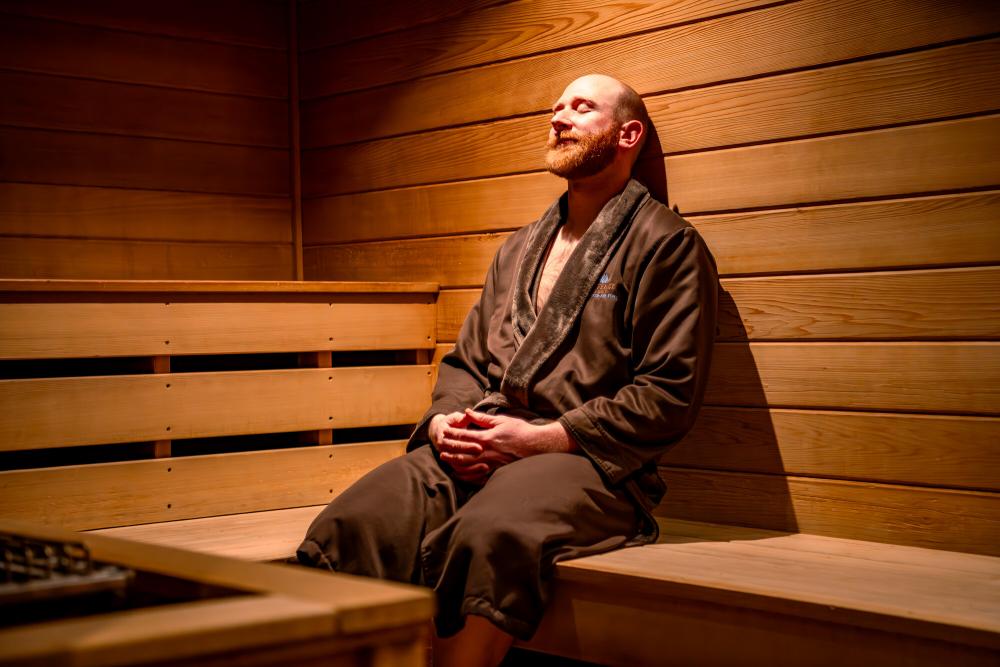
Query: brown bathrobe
{"points": [[619, 355]]}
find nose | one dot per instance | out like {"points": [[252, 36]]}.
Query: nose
{"points": [[559, 122]]}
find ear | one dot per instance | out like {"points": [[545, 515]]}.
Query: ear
{"points": [[630, 134]]}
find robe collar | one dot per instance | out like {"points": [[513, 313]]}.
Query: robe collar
{"points": [[537, 337]]}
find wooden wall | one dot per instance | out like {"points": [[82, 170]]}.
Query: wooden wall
{"points": [[841, 158], [144, 139]]}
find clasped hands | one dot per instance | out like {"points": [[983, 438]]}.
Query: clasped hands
{"points": [[473, 454]]}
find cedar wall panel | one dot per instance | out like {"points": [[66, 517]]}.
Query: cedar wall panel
{"points": [[144, 140], [839, 157]]}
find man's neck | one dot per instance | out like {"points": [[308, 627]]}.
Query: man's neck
{"points": [[586, 198]]}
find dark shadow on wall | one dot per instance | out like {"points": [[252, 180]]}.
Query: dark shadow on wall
{"points": [[649, 168], [728, 469]]}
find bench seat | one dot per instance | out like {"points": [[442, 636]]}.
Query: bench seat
{"points": [[750, 586]]}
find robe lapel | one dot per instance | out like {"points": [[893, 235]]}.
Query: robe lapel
{"points": [[537, 338]]}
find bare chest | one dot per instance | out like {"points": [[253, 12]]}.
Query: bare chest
{"points": [[556, 258]]}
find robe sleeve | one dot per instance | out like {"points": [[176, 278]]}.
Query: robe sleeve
{"points": [[462, 374], [673, 326]]}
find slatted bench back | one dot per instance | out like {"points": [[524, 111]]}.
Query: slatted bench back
{"points": [[139, 326]]}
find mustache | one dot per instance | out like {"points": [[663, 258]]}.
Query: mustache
{"points": [[562, 136]]}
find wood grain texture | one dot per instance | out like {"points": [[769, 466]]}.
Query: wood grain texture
{"points": [[901, 305], [48, 102], [211, 326], [43, 413], [313, 291], [929, 377], [954, 520], [140, 215], [47, 258], [70, 158], [927, 450], [42, 45], [136, 492], [913, 87], [765, 41], [255, 23], [498, 32], [325, 22]]}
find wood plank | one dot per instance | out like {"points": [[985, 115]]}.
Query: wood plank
{"points": [[136, 492], [42, 45], [947, 377], [499, 32], [61, 330], [80, 258], [326, 22], [256, 23], [917, 159], [48, 102], [257, 536], [942, 377], [60, 412], [104, 213], [749, 44], [901, 305], [69, 158], [929, 450], [313, 290], [953, 520], [908, 88]]}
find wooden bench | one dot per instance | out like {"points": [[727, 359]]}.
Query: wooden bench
{"points": [[920, 588]]}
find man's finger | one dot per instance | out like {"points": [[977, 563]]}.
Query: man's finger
{"points": [[459, 446], [481, 418], [465, 435]]}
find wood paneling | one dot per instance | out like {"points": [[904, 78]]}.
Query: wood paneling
{"points": [[111, 213], [62, 330], [325, 22], [40, 45], [949, 303], [785, 37], [47, 102], [500, 32], [141, 260], [912, 87], [70, 158], [253, 23], [923, 517], [928, 450], [115, 494], [930, 377], [40, 413]]}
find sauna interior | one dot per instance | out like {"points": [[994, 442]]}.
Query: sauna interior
{"points": [[236, 238]]}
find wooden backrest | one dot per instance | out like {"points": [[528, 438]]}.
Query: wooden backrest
{"points": [[201, 346], [841, 162]]}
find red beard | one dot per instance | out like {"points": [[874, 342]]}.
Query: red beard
{"points": [[586, 156]]}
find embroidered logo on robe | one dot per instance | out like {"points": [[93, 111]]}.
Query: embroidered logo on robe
{"points": [[605, 289]]}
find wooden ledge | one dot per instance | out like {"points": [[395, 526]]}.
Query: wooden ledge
{"points": [[216, 286]]}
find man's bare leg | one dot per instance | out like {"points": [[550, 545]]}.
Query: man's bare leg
{"points": [[478, 644]]}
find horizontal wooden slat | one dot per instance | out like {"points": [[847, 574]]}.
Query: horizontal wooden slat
{"points": [[255, 23], [955, 520], [117, 494], [948, 303], [41, 45], [27, 290], [43, 101], [789, 36], [500, 32], [42, 413], [913, 87], [69, 158], [80, 258], [59, 330], [269, 535], [930, 450], [962, 378], [931, 377], [88, 213], [325, 22]]}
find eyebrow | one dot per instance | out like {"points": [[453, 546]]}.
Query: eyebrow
{"points": [[575, 100]]}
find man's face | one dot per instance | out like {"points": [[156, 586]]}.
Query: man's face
{"points": [[583, 139]]}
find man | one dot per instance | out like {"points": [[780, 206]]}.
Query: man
{"points": [[583, 361]]}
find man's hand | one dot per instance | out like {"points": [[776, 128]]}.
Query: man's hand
{"points": [[475, 454]]}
